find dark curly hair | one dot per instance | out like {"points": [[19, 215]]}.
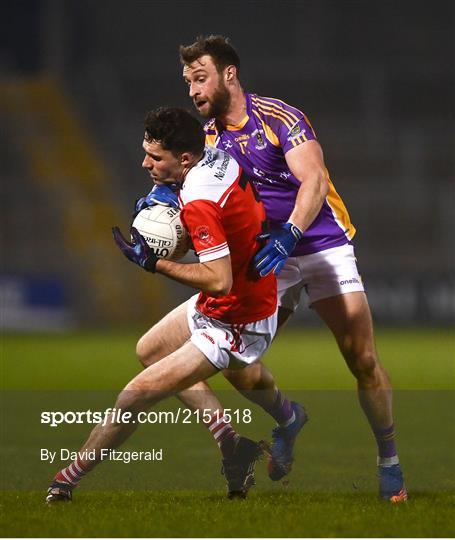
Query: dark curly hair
{"points": [[216, 46], [175, 129]]}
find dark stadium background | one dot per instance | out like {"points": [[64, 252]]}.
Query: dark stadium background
{"points": [[376, 78], [76, 77]]}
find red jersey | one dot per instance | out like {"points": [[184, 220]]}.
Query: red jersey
{"points": [[223, 214]]}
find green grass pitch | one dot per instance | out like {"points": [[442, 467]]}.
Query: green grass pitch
{"points": [[330, 492]]}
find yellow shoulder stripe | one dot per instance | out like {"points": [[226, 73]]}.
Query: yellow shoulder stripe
{"points": [[276, 115], [291, 116]]}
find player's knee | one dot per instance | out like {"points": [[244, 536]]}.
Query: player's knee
{"points": [[146, 351], [364, 365], [361, 359], [141, 351]]}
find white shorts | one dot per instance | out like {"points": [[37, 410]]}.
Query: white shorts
{"points": [[328, 273], [228, 345]]}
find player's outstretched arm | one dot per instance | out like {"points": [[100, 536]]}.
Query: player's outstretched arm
{"points": [[213, 277]]}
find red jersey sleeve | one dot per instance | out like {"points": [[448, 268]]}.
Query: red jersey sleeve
{"points": [[203, 221]]}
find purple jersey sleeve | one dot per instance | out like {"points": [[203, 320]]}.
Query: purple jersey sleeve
{"points": [[290, 125]]}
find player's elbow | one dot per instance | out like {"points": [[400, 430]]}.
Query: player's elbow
{"points": [[221, 286]]}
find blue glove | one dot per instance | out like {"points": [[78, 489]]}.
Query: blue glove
{"points": [[161, 194], [137, 251], [280, 245]]}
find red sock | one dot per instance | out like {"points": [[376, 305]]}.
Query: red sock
{"points": [[223, 433], [71, 474]]}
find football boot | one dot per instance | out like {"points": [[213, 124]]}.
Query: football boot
{"points": [[391, 484], [59, 492], [238, 469]]}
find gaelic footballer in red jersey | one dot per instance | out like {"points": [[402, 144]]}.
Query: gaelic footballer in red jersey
{"points": [[217, 189], [230, 323]]}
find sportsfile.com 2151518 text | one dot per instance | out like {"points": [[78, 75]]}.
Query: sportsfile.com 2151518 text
{"points": [[114, 415]]}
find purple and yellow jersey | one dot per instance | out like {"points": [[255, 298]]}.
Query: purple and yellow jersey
{"points": [[259, 143]]}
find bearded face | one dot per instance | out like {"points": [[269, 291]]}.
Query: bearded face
{"points": [[207, 88], [216, 104]]}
